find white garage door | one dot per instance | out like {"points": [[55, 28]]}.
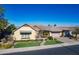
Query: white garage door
{"points": [[56, 34]]}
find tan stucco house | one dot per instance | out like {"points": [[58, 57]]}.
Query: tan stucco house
{"points": [[32, 32]]}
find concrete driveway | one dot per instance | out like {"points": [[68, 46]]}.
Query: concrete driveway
{"points": [[58, 49], [66, 40]]}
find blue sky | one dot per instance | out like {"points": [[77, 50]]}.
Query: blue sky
{"points": [[60, 14]]}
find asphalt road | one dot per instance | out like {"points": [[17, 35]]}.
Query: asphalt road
{"points": [[67, 50]]}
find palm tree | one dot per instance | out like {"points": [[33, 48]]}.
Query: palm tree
{"points": [[55, 25]]}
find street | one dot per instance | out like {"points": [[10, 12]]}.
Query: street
{"points": [[62, 49]]}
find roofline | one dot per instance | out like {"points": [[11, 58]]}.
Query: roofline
{"points": [[37, 26], [25, 25]]}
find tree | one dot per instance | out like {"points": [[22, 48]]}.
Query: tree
{"points": [[55, 25], [3, 21], [5, 27], [1, 12], [49, 25], [1, 9], [3, 24], [76, 32], [10, 29]]}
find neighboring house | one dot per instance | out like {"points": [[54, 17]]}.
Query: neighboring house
{"points": [[32, 32]]}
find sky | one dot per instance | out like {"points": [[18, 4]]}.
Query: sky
{"points": [[42, 14]]}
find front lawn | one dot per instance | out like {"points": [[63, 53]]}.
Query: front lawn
{"points": [[31, 43], [27, 43], [50, 42]]}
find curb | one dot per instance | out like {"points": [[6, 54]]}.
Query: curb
{"points": [[13, 50]]}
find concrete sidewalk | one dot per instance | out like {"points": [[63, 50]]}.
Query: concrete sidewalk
{"points": [[40, 48]]}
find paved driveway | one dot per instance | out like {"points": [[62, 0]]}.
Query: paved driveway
{"points": [[58, 49], [66, 40]]}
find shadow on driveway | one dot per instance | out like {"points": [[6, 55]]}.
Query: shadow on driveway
{"points": [[67, 50]]}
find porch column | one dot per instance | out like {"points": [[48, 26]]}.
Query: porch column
{"points": [[62, 33]]}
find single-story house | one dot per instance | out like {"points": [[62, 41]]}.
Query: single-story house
{"points": [[32, 32]]}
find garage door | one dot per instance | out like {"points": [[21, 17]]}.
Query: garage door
{"points": [[56, 34]]}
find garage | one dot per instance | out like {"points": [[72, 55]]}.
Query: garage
{"points": [[55, 34]]}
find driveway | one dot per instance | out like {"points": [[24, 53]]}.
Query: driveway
{"points": [[66, 39], [58, 49]]}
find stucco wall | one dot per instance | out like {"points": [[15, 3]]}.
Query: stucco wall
{"points": [[17, 35]]}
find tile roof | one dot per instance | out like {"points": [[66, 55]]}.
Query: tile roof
{"points": [[49, 28], [52, 28]]}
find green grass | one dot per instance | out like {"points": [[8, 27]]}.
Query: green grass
{"points": [[30, 43], [50, 42], [27, 43]]}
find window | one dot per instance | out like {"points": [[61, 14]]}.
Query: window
{"points": [[25, 35]]}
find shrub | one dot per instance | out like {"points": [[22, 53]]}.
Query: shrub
{"points": [[50, 38], [0, 45], [3, 40], [55, 39], [6, 45]]}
